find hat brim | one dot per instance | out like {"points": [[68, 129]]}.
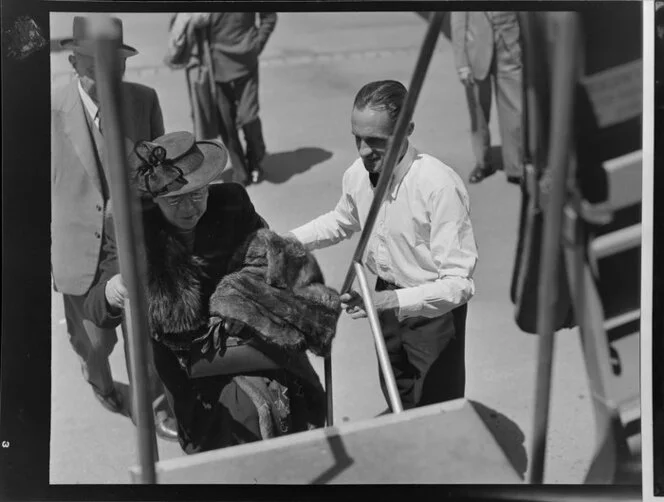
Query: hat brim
{"points": [[87, 48], [215, 162]]}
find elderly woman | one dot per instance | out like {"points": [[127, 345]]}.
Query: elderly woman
{"points": [[219, 281]]}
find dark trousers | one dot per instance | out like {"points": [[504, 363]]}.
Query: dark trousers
{"points": [[238, 109], [506, 75], [427, 355], [94, 345]]}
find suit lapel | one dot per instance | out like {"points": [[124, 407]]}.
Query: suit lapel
{"points": [[76, 127]]}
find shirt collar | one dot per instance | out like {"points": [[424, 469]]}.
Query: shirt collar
{"points": [[400, 170], [89, 105]]}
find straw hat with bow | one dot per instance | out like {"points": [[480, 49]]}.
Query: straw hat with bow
{"points": [[176, 164]]}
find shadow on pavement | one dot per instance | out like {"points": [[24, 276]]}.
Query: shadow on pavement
{"points": [[508, 435], [341, 458], [280, 167]]}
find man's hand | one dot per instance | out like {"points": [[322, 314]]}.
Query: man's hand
{"points": [[116, 292], [353, 303], [466, 76], [289, 235]]}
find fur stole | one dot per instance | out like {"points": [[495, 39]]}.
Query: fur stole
{"points": [[278, 290], [177, 311]]}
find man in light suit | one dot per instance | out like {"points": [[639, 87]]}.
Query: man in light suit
{"points": [[81, 205], [486, 45]]}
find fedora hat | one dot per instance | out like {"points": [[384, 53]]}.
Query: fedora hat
{"points": [[175, 164], [82, 42]]}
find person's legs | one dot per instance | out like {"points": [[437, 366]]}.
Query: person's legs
{"points": [[93, 345], [226, 104], [438, 351], [478, 97], [405, 373], [433, 346], [165, 422], [248, 119], [509, 94]]}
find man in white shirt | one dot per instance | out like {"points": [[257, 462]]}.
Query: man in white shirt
{"points": [[422, 249], [80, 206]]}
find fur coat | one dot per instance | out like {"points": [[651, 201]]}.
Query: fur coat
{"points": [[276, 288], [219, 411]]}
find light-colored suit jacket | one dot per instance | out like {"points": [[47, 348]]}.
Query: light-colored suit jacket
{"points": [[78, 210], [474, 37]]}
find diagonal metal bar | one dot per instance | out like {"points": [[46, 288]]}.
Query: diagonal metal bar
{"points": [[562, 102], [129, 233], [405, 117], [400, 130]]}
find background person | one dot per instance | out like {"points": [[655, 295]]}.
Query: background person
{"points": [[487, 48], [80, 199], [236, 42]]}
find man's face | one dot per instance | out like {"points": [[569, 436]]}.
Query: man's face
{"points": [[372, 130], [184, 211], [84, 65]]}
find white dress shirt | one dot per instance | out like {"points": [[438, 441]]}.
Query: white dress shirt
{"points": [[89, 105], [422, 239]]}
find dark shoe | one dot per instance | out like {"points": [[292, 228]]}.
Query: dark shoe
{"points": [[165, 424], [112, 401], [516, 180], [480, 172]]}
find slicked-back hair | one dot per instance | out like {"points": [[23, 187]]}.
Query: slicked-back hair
{"points": [[381, 95]]}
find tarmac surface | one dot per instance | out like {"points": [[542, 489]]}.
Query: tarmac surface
{"points": [[310, 71]]}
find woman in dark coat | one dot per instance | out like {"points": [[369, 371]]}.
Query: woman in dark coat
{"points": [[192, 234]]}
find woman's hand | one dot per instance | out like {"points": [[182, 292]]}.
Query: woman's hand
{"points": [[219, 329], [233, 326]]}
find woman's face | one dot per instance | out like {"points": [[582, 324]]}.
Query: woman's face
{"points": [[184, 211]]}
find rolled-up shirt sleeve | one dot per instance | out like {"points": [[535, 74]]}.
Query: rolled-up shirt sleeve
{"points": [[331, 227], [454, 252]]}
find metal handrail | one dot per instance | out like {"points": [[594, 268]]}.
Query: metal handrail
{"points": [[129, 233], [391, 159], [381, 349]]}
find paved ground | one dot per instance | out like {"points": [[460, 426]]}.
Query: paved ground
{"points": [[312, 67]]}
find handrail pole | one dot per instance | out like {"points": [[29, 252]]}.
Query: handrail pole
{"points": [[563, 85], [129, 233], [381, 348]]}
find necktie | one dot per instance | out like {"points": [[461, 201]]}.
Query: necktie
{"points": [[373, 178]]}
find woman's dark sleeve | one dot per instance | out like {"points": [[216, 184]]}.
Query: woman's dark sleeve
{"points": [[96, 308]]}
